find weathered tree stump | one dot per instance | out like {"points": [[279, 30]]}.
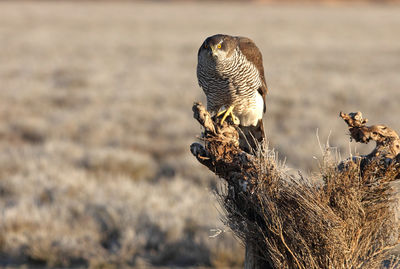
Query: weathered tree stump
{"points": [[347, 221]]}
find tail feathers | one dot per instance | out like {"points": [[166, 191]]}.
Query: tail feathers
{"points": [[251, 137]]}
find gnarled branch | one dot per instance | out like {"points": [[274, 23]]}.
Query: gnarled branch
{"points": [[348, 221], [387, 140]]}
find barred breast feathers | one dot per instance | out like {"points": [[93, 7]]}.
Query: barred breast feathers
{"points": [[233, 81]]}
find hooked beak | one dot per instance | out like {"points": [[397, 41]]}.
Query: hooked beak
{"points": [[212, 51]]}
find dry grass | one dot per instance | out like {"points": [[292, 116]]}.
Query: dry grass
{"points": [[346, 220], [344, 217], [95, 119]]}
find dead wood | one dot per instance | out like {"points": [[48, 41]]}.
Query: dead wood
{"points": [[347, 219], [387, 140]]}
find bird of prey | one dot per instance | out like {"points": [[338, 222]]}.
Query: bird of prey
{"points": [[231, 73]]}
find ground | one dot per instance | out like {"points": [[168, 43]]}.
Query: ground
{"points": [[96, 121]]}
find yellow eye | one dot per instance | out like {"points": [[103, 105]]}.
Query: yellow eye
{"points": [[219, 46], [205, 46]]}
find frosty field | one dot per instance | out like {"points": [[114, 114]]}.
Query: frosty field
{"points": [[96, 120]]}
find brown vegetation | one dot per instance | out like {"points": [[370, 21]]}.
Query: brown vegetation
{"points": [[347, 219]]}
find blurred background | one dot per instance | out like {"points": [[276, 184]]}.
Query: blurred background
{"points": [[96, 120]]}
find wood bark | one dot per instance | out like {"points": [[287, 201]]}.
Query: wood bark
{"points": [[265, 206]]}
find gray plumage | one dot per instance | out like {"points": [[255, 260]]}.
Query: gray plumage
{"points": [[231, 73]]}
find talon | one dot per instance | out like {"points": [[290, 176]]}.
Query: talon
{"points": [[221, 112], [235, 119], [227, 113]]}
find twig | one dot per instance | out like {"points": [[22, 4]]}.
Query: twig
{"points": [[387, 140]]}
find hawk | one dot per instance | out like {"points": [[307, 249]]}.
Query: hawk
{"points": [[231, 73]]}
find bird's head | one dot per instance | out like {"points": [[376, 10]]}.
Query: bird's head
{"points": [[218, 47]]}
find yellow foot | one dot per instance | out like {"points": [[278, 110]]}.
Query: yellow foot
{"points": [[226, 113]]}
